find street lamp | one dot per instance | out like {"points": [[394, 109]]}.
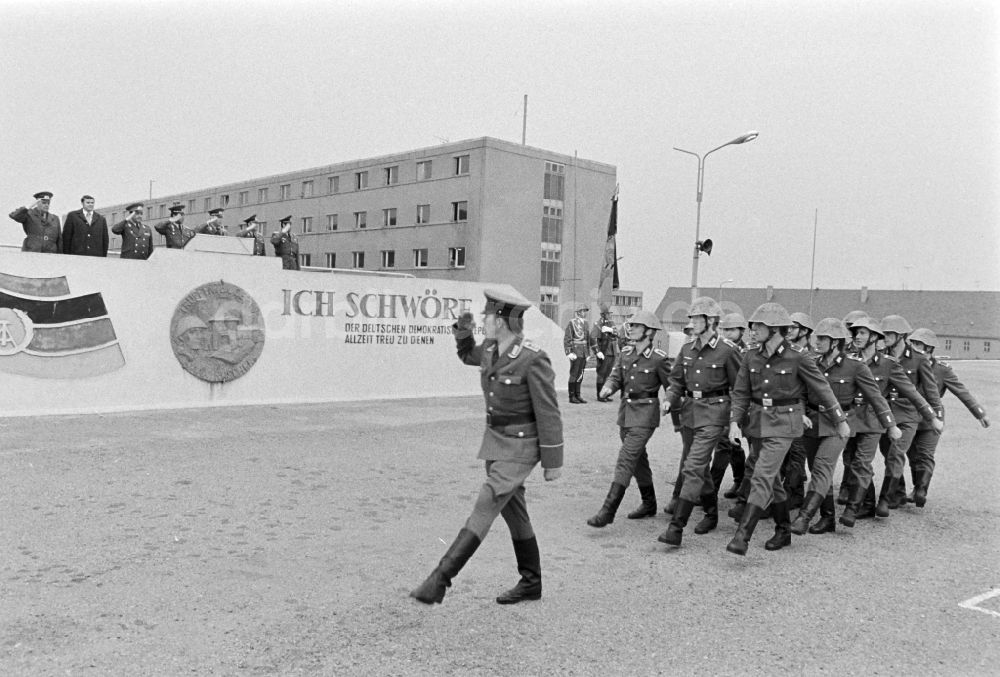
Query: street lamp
{"points": [[700, 246], [722, 284]]}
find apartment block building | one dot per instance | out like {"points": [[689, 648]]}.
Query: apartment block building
{"points": [[482, 209]]}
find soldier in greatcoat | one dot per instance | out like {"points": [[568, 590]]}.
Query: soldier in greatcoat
{"points": [[252, 229], [41, 228], [174, 230], [286, 245], [137, 237]]}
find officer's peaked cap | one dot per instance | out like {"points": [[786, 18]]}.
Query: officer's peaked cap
{"points": [[250, 219], [216, 211], [42, 194], [176, 209], [505, 304], [132, 207], [287, 219]]}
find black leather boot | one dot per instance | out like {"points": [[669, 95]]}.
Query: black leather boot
{"points": [[853, 509], [579, 399], [742, 494], [734, 490], [572, 392], [888, 487], [431, 591], [827, 522], [648, 506], [846, 484], [744, 532], [806, 513], [897, 497], [921, 485], [710, 502], [530, 567], [674, 532], [606, 515], [782, 524], [867, 510]]}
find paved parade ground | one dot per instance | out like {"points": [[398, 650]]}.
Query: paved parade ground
{"points": [[283, 540]]}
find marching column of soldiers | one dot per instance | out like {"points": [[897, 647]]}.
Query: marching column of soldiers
{"points": [[85, 232]]}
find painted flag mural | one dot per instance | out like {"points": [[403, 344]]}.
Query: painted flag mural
{"points": [[609, 271], [46, 332]]}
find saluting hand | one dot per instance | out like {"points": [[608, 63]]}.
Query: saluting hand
{"points": [[552, 474], [464, 324]]}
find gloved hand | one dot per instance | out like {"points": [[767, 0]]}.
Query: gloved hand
{"points": [[938, 425], [606, 393], [843, 430], [600, 355], [463, 328], [571, 356], [807, 422], [894, 432], [607, 330], [734, 432], [552, 474], [985, 422]]}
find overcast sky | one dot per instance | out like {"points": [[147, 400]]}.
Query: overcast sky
{"points": [[883, 116]]}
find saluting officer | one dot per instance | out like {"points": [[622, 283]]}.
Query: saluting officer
{"points": [[523, 428], [606, 345], [137, 237], [577, 343], [214, 224], [640, 373], [925, 441], [286, 245], [773, 380], [701, 378], [174, 230], [41, 229], [252, 229]]}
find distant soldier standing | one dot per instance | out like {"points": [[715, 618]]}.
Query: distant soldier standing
{"points": [[41, 229], [137, 237], [640, 373], [578, 344], [252, 229], [173, 229], [286, 245], [523, 428], [606, 344]]}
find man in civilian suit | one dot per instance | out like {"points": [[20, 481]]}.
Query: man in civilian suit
{"points": [[85, 232]]}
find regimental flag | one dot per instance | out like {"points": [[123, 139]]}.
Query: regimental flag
{"points": [[47, 333], [609, 272]]}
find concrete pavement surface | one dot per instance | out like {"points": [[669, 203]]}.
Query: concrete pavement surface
{"points": [[284, 540]]}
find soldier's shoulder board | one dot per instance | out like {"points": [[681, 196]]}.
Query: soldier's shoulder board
{"points": [[627, 350], [729, 343], [798, 349], [943, 363], [855, 357], [659, 352], [891, 358], [528, 345]]}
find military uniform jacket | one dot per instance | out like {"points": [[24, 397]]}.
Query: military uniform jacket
{"points": [[605, 341], [137, 239], [41, 228], [577, 339], [287, 247], [258, 241], [211, 229], [856, 391], [889, 376], [918, 368], [770, 391], [639, 376], [523, 423], [176, 234], [82, 238], [701, 379], [947, 381]]}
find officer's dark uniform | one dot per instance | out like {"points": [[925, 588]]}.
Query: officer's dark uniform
{"points": [[177, 234], [42, 230], [606, 343], [287, 247], [523, 428], [577, 341], [137, 239], [258, 239]]}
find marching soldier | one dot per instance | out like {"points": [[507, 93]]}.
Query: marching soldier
{"points": [[606, 343], [137, 237], [794, 469], [640, 372], [214, 224], [252, 229], [523, 428], [847, 481], [41, 229], [733, 327], [773, 380], [578, 344], [703, 374], [286, 245], [174, 230], [925, 441]]}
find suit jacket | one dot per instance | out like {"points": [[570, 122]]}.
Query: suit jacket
{"points": [[82, 238], [41, 228]]}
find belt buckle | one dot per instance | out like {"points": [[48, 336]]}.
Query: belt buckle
{"points": [[696, 394], [767, 402]]}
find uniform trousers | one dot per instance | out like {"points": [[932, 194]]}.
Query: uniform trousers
{"points": [[699, 443], [895, 450], [502, 494], [576, 368], [794, 468], [859, 453], [632, 457], [604, 368], [822, 454], [766, 485], [921, 452]]}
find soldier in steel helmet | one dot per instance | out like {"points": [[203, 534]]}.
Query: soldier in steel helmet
{"points": [[794, 469], [578, 344], [640, 372], [925, 441], [855, 389], [700, 383], [733, 326], [846, 481], [773, 380], [523, 428], [868, 425], [606, 348]]}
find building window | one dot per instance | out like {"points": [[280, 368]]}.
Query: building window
{"points": [[965, 346], [307, 224], [388, 258], [456, 257], [244, 197], [358, 259], [986, 346], [551, 252], [190, 206], [423, 213], [550, 273], [419, 258], [331, 259], [460, 211], [461, 164], [332, 184], [305, 259], [163, 210], [262, 226], [208, 203], [360, 180], [423, 170], [555, 181], [331, 222], [361, 220], [549, 305], [947, 344], [389, 217], [391, 175], [285, 191], [552, 223], [261, 195], [307, 189], [223, 200]]}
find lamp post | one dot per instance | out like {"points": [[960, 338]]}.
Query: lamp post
{"points": [[749, 136]]}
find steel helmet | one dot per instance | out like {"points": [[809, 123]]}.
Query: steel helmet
{"points": [[772, 315], [897, 324], [854, 316], [868, 323], [705, 305], [804, 320], [733, 321], [925, 336], [645, 318], [831, 327]]}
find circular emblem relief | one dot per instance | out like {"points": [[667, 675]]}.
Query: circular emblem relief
{"points": [[16, 331], [217, 332]]}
